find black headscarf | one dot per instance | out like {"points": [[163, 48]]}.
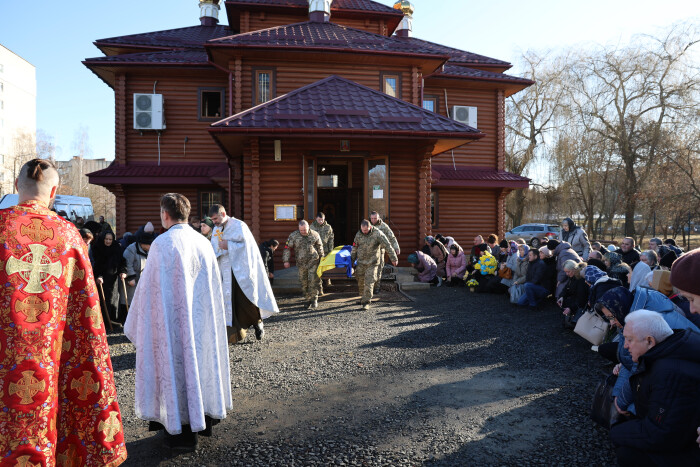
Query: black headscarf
{"points": [[618, 301]]}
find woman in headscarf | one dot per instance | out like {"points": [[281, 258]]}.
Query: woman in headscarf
{"points": [[576, 237], [510, 263], [456, 265], [639, 274], [439, 253], [135, 257], [599, 282], [206, 227], [109, 267], [427, 243], [520, 271], [575, 294]]}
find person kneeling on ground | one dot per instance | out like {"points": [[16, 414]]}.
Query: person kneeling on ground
{"points": [[426, 267], [456, 265], [667, 389], [534, 281]]}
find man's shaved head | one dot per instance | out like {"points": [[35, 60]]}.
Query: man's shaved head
{"points": [[37, 179]]}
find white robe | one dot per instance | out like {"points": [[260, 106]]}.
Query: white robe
{"points": [[248, 268], [177, 324], [224, 265]]}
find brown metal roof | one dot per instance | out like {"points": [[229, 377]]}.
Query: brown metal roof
{"points": [[456, 55], [152, 174], [360, 5], [459, 71], [168, 57], [188, 37], [448, 176]]}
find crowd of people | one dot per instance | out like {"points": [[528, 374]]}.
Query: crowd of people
{"points": [[649, 298]]}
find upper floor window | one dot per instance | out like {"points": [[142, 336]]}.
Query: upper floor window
{"points": [[430, 103], [263, 85], [391, 84], [211, 103]]}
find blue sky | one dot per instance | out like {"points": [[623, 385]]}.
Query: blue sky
{"points": [[56, 36]]}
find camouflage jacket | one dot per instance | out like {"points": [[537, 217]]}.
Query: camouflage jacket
{"points": [[307, 248], [367, 248], [325, 231], [386, 230]]}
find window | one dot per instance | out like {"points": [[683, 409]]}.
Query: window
{"points": [[263, 85], [391, 84], [207, 199], [211, 103], [434, 197], [431, 103], [378, 186]]}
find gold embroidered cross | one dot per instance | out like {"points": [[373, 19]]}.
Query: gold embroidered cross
{"points": [[85, 386], [27, 387], [36, 232], [24, 462], [34, 268], [69, 458], [31, 307], [72, 271], [94, 315], [110, 427]]}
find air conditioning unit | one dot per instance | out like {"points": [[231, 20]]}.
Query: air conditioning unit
{"points": [[148, 112], [464, 114]]}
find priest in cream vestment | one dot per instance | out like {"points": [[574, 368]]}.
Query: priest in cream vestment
{"points": [[248, 295], [178, 325]]}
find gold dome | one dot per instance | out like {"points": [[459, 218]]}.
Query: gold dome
{"points": [[405, 6]]}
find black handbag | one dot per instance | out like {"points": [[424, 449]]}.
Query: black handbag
{"points": [[603, 410]]}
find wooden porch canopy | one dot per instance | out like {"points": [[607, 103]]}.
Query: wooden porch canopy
{"points": [[165, 174], [476, 177], [335, 107]]}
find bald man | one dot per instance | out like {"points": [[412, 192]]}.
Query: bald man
{"points": [[53, 346]]}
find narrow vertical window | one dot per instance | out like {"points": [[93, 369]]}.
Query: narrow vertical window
{"points": [[430, 103], [263, 86], [391, 84], [434, 208]]}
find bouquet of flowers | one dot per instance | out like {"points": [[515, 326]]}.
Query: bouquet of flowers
{"points": [[487, 264], [472, 283]]}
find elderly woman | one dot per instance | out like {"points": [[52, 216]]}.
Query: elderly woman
{"points": [[575, 236], [576, 291], [638, 275], [510, 263], [439, 253], [426, 267], [650, 258], [109, 267], [519, 273], [599, 282], [456, 265]]}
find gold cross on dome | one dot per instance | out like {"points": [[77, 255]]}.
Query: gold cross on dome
{"points": [[110, 427], [35, 268], [85, 385], [31, 307], [27, 387]]}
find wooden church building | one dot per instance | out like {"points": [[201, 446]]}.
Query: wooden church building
{"points": [[303, 106]]}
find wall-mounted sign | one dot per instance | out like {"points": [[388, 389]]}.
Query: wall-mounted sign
{"points": [[344, 145], [285, 212]]}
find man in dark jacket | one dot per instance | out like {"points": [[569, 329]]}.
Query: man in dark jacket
{"points": [[628, 253], [667, 391], [267, 250], [563, 252], [535, 280]]}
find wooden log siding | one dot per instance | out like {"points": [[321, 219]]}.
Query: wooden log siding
{"points": [[258, 20], [143, 204], [484, 152], [291, 76], [181, 113], [467, 212]]}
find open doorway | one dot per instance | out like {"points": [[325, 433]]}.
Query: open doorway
{"points": [[339, 184]]}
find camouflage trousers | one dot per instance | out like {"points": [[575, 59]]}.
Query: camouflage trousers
{"points": [[310, 282], [380, 269], [366, 276]]}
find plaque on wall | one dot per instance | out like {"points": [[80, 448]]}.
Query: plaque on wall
{"points": [[285, 212]]}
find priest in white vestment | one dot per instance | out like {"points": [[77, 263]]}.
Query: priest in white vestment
{"points": [[248, 295], [177, 323]]}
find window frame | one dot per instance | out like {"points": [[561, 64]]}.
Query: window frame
{"points": [[200, 204], [200, 101], [368, 189], [435, 99], [435, 208], [390, 74], [273, 80]]}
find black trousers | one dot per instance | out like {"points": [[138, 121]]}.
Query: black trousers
{"points": [[637, 458]]}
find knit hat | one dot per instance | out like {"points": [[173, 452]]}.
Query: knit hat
{"points": [[613, 258], [592, 274], [553, 244], [430, 239], [545, 251], [208, 221], [669, 259], [612, 248], [148, 228], [661, 281], [413, 258], [686, 271]]}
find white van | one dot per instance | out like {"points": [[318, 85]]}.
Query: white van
{"points": [[70, 207]]}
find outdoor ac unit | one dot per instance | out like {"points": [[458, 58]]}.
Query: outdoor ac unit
{"points": [[148, 112], [464, 114]]}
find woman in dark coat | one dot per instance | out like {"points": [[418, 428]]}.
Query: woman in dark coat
{"points": [[109, 267]]}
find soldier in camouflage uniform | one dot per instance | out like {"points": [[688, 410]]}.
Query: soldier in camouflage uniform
{"points": [[369, 244], [377, 222], [325, 231], [308, 251]]}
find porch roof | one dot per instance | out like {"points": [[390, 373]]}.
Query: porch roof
{"points": [[463, 176], [164, 174], [337, 107]]}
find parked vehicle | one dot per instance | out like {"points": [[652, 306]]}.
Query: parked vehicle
{"points": [[535, 234], [69, 207]]}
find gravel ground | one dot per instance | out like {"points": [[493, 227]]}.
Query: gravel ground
{"points": [[454, 378]]}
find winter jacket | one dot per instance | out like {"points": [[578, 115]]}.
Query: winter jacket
{"points": [[563, 252], [511, 263], [427, 269], [439, 254], [536, 273], [267, 258], [631, 257], [666, 393], [135, 261], [520, 271], [456, 265], [575, 294], [550, 282], [601, 286], [578, 240]]}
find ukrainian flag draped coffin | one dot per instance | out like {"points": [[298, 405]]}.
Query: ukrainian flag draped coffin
{"points": [[338, 258]]}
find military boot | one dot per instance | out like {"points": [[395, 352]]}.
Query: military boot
{"points": [[314, 304]]}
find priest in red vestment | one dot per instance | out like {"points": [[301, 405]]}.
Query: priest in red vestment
{"points": [[58, 401]]}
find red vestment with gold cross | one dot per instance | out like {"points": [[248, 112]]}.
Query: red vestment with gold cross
{"points": [[59, 402]]}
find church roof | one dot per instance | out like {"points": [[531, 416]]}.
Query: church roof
{"points": [[340, 107], [324, 36], [188, 37], [361, 5], [165, 174], [456, 55], [448, 176], [167, 57], [459, 71]]}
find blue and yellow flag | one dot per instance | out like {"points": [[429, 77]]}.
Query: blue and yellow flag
{"points": [[338, 258]]}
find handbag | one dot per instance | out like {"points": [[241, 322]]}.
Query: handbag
{"points": [[505, 273], [591, 327], [516, 291], [603, 410]]}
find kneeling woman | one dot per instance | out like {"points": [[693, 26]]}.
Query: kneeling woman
{"points": [[456, 265], [426, 267]]}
